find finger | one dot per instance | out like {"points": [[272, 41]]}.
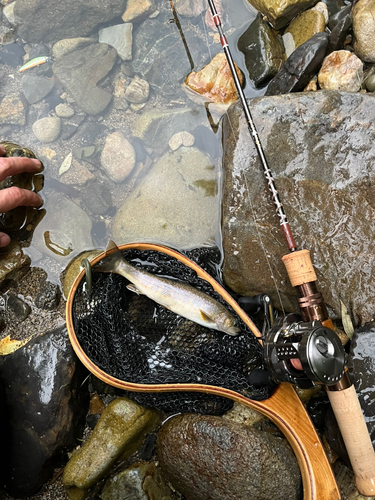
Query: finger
{"points": [[2, 151], [4, 240], [16, 197], [17, 165]]}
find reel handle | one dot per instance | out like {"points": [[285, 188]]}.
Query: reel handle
{"points": [[354, 431], [342, 395]]}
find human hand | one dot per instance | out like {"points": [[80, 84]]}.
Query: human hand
{"points": [[14, 196]]}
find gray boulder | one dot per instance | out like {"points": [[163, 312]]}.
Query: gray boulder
{"points": [[320, 148]]}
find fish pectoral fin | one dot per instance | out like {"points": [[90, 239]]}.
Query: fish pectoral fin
{"points": [[206, 317], [134, 289]]}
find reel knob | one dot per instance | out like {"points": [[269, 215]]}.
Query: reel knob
{"points": [[304, 353]]}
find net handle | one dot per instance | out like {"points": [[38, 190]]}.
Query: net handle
{"points": [[283, 408]]}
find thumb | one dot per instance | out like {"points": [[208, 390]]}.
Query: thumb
{"points": [[4, 240]]}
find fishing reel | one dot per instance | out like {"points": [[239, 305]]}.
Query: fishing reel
{"points": [[305, 354]]}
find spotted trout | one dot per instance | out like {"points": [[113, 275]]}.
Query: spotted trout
{"points": [[179, 297]]}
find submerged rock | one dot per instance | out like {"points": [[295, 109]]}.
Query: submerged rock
{"points": [[35, 88], [176, 203], [138, 10], [155, 128], [320, 149], [68, 21], [209, 458], [263, 51], [280, 12], [45, 408], [81, 70], [118, 433], [118, 157], [163, 60], [12, 110], [119, 37], [64, 231], [300, 67]]}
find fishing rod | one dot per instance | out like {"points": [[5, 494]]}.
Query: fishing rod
{"points": [[312, 345]]}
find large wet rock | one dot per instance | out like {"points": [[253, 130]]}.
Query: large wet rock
{"points": [[163, 60], [280, 12], [321, 151], [300, 66], [52, 20], [118, 433], [263, 51], [81, 70], [44, 410], [362, 366], [208, 458], [176, 203]]}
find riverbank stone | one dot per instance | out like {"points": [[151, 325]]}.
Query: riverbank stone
{"points": [[320, 149], [263, 51], [45, 408], [364, 30], [206, 457], [142, 481], [280, 12], [119, 432]]}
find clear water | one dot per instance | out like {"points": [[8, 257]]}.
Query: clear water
{"points": [[52, 250]]}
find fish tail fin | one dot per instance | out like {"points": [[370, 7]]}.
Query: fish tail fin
{"points": [[112, 259]]}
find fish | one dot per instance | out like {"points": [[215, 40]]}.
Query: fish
{"points": [[177, 296], [35, 62]]}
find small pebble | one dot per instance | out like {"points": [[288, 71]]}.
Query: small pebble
{"points": [[64, 111], [181, 139]]}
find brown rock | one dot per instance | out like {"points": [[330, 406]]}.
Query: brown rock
{"points": [[305, 26], [215, 81], [138, 10], [12, 110], [209, 458], [341, 70], [364, 29], [77, 174], [280, 12]]}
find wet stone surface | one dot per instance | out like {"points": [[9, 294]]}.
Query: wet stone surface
{"points": [[208, 458], [320, 149], [43, 410]]}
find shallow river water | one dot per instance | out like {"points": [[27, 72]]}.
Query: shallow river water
{"points": [[84, 205]]}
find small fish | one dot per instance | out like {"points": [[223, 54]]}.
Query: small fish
{"points": [[179, 297], [35, 62]]}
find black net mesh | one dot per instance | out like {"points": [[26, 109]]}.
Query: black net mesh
{"points": [[134, 339]]}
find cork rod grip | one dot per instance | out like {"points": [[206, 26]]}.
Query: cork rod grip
{"points": [[299, 267], [354, 431]]}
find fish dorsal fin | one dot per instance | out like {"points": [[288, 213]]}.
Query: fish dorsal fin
{"points": [[206, 317], [111, 246]]}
